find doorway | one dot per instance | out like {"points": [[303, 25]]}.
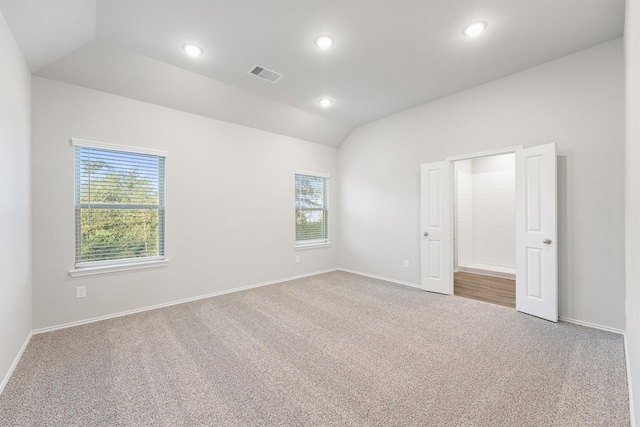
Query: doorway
{"points": [[536, 246], [484, 228]]}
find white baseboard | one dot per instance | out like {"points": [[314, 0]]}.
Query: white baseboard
{"points": [[591, 325], [386, 279], [185, 300], [629, 383], [182, 301], [168, 304], [15, 363], [563, 319], [413, 285]]}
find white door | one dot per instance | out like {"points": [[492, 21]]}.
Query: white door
{"points": [[436, 228], [536, 234]]}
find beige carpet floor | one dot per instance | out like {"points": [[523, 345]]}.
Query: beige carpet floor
{"points": [[333, 349]]}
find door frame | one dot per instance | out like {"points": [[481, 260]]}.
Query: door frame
{"points": [[452, 160], [452, 180], [530, 269]]}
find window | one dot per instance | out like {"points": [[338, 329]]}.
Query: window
{"points": [[119, 204], [312, 212]]}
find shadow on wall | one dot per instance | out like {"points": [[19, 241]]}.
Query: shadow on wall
{"points": [[563, 241], [418, 236]]}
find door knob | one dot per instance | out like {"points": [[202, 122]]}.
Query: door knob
{"points": [[547, 241], [425, 234]]}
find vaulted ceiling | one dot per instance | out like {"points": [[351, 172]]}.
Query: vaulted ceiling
{"points": [[388, 56]]}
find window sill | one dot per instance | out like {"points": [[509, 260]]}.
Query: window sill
{"points": [[90, 271], [303, 246]]}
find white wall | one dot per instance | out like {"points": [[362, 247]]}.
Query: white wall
{"points": [[576, 101], [464, 211], [494, 210], [485, 211], [230, 203], [15, 201], [497, 163], [632, 156]]}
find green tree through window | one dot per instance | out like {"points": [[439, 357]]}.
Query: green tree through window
{"points": [[311, 208], [119, 205]]}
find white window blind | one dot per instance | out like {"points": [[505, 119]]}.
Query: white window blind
{"points": [[312, 210], [119, 206]]}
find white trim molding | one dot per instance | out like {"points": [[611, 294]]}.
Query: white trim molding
{"points": [[6, 378], [629, 383], [591, 325], [77, 142], [311, 246], [170, 303], [386, 279], [114, 268], [562, 319], [319, 174], [485, 153]]}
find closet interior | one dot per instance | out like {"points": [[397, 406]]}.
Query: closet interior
{"points": [[485, 228]]}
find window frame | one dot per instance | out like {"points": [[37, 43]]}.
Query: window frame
{"points": [[313, 243], [125, 264]]}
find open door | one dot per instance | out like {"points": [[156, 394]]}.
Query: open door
{"points": [[436, 261], [536, 232]]}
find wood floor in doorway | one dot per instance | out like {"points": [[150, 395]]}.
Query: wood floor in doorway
{"points": [[494, 290]]}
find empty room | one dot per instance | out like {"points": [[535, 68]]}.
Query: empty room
{"points": [[321, 212]]}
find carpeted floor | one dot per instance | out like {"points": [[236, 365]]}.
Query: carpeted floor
{"points": [[334, 349]]}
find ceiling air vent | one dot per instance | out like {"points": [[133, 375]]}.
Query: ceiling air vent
{"points": [[265, 73]]}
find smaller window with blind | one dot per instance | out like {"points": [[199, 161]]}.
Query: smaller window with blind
{"points": [[312, 208], [119, 204]]}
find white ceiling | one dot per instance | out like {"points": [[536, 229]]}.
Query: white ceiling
{"points": [[46, 30], [390, 55]]}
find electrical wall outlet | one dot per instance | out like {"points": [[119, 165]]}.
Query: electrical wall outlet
{"points": [[81, 291], [297, 258], [407, 264]]}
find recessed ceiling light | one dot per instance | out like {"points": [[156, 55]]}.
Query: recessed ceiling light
{"points": [[192, 49], [474, 29], [325, 102], [324, 42]]}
